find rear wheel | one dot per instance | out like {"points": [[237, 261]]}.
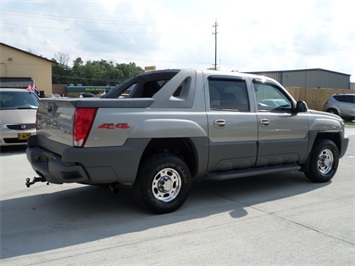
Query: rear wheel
{"points": [[333, 111], [323, 162], [163, 183]]}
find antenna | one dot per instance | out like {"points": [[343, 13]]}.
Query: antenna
{"points": [[215, 44]]}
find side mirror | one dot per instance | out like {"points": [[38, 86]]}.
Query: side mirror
{"points": [[301, 107]]}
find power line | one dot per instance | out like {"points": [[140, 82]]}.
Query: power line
{"points": [[91, 30], [52, 17]]}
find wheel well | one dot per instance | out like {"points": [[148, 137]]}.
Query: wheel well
{"points": [[335, 137], [332, 110], [181, 147]]}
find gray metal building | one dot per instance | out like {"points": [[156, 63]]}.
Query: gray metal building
{"points": [[309, 78]]}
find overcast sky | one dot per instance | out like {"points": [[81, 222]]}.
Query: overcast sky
{"points": [[253, 35]]}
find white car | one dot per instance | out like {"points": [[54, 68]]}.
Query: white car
{"points": [[18, 109]]}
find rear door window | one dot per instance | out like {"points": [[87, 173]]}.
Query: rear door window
{"points": [[228, 95]]}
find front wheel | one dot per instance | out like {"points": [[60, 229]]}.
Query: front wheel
{"points": [[323, 162], [163, 183]]}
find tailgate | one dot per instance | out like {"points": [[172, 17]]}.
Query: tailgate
{"points": [[55, 120], [55, 117]]}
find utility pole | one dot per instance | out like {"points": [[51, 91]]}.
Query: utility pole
{"points": [[215, 44]]}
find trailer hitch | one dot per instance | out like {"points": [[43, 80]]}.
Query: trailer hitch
{"points": [[34, 180]]}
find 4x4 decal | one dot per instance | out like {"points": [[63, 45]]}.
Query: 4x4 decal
{"points": [[113, 126]]}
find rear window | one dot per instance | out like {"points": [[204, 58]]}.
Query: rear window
{"points": [[18, 100]]}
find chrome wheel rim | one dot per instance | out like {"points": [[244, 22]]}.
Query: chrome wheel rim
{"points": [[166, 185], [325, 161]]}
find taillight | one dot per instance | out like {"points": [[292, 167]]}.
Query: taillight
{"points": [[83, 120]]}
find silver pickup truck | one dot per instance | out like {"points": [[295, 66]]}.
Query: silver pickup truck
{"points": [[159, 131]]}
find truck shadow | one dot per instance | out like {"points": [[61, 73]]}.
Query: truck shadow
{"points": [[11, 150], [75, 216]]}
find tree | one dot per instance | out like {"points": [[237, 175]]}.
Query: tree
{"points": [[61, 71], [62, 58], [94, 73]]}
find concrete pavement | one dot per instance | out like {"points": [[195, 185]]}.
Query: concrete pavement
{"points": [[279, 219]]}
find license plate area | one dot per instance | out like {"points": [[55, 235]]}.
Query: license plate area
{"points": [[23, 136]]}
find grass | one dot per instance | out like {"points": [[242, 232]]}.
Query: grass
{"points": [[349, 123]]}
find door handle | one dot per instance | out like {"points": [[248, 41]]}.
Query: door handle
{"points": [[264, 121], [219, 123]]}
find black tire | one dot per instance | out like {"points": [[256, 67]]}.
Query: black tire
{"points": [[323, 162], [163, 183], [333, 111]]}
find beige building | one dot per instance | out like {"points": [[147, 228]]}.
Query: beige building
{"points": [[19, 68]]}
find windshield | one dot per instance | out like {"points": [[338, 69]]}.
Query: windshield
{"points": [[18, 100]]}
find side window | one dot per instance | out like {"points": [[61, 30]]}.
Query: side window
{"points": [[350, 99], [183, 89], [228, 95], [345, 98], [271, 99]]}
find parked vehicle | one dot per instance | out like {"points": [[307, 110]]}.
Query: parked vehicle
{"points": [[18, 109], [160, 130], [342, 105], [86, 95]]}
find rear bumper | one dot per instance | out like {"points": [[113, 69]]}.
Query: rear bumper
{"points": [[102, 165], [50, 166]]}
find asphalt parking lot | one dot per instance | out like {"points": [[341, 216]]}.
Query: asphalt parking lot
{"points": [[279, 219]]}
